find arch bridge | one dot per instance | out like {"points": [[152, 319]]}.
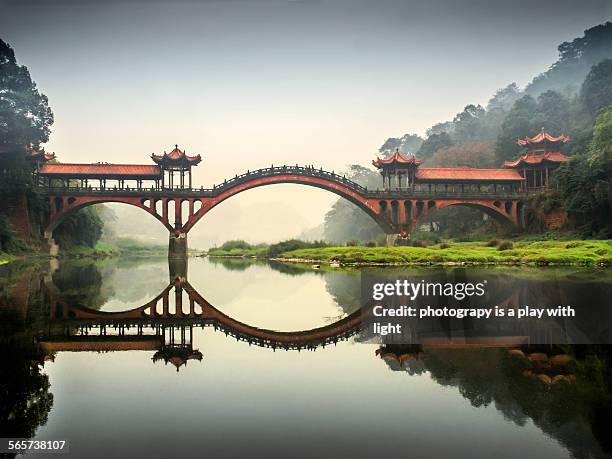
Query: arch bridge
{"points": [[396, 211]]}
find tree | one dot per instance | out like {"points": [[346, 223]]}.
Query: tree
{"points": [[596, 92], [575, 60], [432, 143], [407, 144], [25, 116], [585, 182], [470, 154], [471, 124], [517, 123], [345, 221], [503, 99]]}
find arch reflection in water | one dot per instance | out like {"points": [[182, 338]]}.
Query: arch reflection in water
{"points": [[165, 325]]}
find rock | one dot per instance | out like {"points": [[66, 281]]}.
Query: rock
{"points": [[561, 360], [560, 378], [545, 379], [516, 353], [538, 357]]}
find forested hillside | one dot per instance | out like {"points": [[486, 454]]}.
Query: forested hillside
{"points": [[572, 97]]}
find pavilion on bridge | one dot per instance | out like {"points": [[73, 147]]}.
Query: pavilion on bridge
{"points": [[543, 156], [176, 161]]}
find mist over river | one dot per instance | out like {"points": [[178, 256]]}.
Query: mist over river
{"points": [[167, 384]]}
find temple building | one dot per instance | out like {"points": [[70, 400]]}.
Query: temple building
{"points": [[176, 161], [444, 179], [396, 167], [542, 157]]}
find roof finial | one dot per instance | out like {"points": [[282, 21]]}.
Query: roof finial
{"points": [[176, 145], [542, 129]]}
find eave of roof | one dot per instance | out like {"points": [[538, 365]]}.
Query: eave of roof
{"points": [[554, 157]]}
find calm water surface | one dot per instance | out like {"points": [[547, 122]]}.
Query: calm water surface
{"points": [[205, 393]]}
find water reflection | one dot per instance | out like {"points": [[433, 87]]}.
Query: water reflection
{"points": [[53, 334]]}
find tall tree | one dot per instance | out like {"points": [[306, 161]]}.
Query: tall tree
{"points": [[585, 181], [25, 116], [408, 144], [434, 142], [517, 124], [596, 92], [575, 60]]}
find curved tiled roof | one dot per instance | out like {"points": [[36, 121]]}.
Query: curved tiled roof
{"points": [[176, 157], [543, 136], [397, 158], [101, 170], [467, 174], [537, 158], [41, 155]]}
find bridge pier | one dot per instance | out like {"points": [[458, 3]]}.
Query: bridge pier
{"points": [[391, 238], [177, 245]]}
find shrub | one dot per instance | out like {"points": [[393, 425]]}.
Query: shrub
{"points": [[370, 244], [505, 245], [293, 244], [352, 244], [572, 245], [493, 243], [236, 244], [444, 245]]}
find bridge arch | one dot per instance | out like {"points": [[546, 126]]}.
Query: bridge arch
{"points": [[370, 206], [63, 206], [506, 212]]}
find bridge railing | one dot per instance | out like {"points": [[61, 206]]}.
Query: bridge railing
{"points": [[309, 171]]}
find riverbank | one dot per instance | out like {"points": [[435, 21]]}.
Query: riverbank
{"points": [[121, 247], [542, 253]]}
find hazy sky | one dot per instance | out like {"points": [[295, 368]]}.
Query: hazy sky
{"points": [[250, 83]]}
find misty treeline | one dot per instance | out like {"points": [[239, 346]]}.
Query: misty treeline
{"points": [[25, 123], [573, 97]]}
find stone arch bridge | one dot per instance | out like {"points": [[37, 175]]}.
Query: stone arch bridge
{"points": [[397, 212]]}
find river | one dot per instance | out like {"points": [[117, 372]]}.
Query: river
{"points": [[183, 388]]}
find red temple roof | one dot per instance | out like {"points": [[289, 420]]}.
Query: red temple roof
{"points": [[101, 170], [537, 158], [41, 155], [396, 158], [176, 158], [543, 136], [467, 174]]}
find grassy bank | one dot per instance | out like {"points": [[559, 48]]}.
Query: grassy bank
{"points": [[124, 247], [589, 253]]}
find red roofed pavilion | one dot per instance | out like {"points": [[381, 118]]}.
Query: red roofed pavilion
{"points": [[542, 157], [397, 165], [176, 161]]}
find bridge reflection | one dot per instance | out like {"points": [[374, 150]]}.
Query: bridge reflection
{"points": [[165, 325]]}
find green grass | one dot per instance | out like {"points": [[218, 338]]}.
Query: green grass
{"points": [[589, 252], [258, 252], [100, 250]]}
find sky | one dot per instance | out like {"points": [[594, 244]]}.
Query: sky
{"points": [[249, 83]]}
